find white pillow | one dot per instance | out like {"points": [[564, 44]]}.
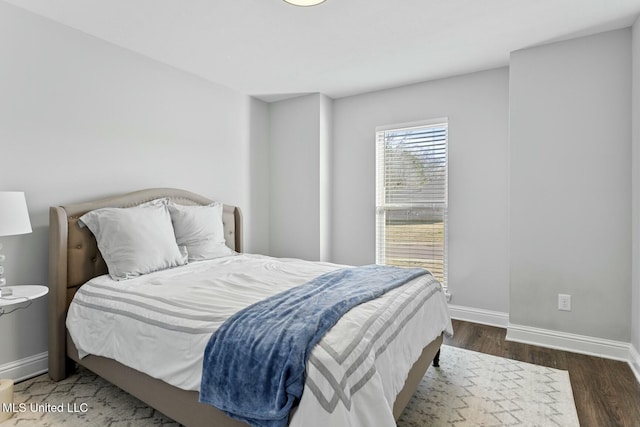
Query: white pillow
{"points": [[135, 241], [200, 229]]}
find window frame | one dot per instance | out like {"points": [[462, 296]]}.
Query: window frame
{"points": [[381, 206]]}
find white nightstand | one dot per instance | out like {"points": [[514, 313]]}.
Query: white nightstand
{"points": [[21, 294]]}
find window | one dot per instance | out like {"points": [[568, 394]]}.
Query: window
{"points": [[411, 196]]}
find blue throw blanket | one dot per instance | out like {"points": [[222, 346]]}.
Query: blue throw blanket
{"points": [[254, 365]]}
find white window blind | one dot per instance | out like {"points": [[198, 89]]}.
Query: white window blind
{"points": [[411, 196]]}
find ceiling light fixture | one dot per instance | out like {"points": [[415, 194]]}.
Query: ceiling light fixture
{"points": [[304, 2]]}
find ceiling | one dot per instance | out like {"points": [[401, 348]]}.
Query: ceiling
{"points": [[273, 50]]}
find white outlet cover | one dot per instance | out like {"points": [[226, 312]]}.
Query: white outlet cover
{"points": [[564, 302]]}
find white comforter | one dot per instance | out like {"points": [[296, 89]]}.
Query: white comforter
{"points": [[160, 324]]}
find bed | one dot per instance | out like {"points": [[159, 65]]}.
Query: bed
{"points": [[74, 260]]}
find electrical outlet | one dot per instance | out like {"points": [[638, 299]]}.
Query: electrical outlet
{"points": [[564, 302]]}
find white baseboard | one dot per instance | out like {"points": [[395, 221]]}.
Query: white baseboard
{"points": [[616, 350], [25, 368], [634, 361], [478, 315]]}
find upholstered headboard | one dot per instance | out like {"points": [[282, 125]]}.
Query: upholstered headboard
{"points": [[74, 257]]}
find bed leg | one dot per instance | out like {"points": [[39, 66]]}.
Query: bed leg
{"points": [[436, 359]]}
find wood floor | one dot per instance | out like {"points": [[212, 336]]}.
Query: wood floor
{"points": [[606, 392]]}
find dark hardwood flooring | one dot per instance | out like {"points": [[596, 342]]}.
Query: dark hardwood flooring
{"points": [[606, 392]]}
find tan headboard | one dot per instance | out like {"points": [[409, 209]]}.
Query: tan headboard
{"points": [[74, 257]]}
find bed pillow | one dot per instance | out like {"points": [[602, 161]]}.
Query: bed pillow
{"points": [[135, 241], [200, 230]]}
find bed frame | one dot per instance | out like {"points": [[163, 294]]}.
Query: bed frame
{"points": [[74, 259]]}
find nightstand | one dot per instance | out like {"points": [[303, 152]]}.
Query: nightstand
{"points": [[22, 293]]}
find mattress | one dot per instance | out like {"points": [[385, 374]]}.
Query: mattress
{"points": [[160, 323]]}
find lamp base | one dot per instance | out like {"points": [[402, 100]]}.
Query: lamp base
{"points": [[6, 400], [5, 292]]}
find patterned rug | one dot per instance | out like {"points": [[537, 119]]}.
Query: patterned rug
{"points": [[469, 389], [476, 389]]}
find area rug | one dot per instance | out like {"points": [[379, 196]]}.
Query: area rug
{"points": [[476, 389], [469, 389]]}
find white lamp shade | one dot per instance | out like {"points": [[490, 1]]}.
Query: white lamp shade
{"points": [[14, 216], [304, 2]]}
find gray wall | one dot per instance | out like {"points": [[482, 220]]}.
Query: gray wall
{"points": [[300, 138], [81, 119], [326, 176], [477, 108], [570, 185], [258, 219], [635, 322]]}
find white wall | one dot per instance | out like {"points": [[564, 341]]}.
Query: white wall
{"points": [[326, 176], [477, 108], [299, 177], [570, 185], [258, 221], [82, 119], [635, 212]]}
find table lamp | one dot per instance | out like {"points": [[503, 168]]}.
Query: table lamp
{"points": [[14, 219]]}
